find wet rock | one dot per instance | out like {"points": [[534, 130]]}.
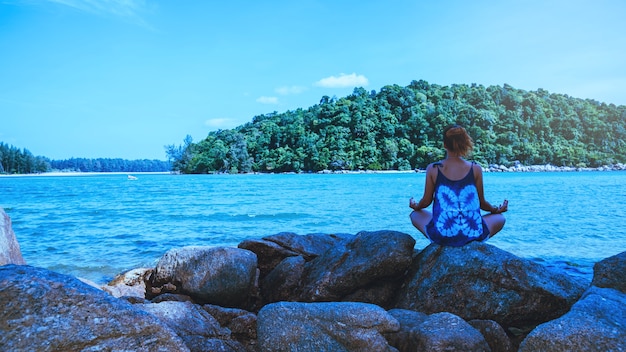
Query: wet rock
{"points": [[47, 311], [335, 326]]}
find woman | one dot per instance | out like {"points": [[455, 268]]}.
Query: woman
{"points": [[456, 186]]}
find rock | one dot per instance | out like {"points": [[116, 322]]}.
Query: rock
{"points": [[283, 283], [448, 332], [199, 330], [130, 284], [611, 272], [437, 332], [9, 248], [242, 324], [480, 281], [216, 275], [269, 254], [405, 339], [46, 311], [308, 246], [597, 322], [336, 326], [367, 258], [494, 334]]}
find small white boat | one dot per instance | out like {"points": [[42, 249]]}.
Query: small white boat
{"points": [[131, 177]]}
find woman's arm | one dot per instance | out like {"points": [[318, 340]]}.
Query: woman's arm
{"points": [[484, 204], [429, 189]]}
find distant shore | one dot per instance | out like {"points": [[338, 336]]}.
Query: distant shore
{"points": [[490, 168], [78, 173]]}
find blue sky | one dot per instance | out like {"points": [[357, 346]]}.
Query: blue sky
{"points": [[124, 78]]}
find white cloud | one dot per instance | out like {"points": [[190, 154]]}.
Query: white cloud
{"points": [[285, 90], [343, 81], [267, 100]]}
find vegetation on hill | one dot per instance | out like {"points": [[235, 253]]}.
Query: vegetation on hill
{"points": [[21, 161], [399, 128]]}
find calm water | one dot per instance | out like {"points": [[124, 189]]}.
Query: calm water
{"points": [[98, 226]]}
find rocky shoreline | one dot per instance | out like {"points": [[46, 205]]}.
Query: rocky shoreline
{"points": [[371, 291], [517, 167]]}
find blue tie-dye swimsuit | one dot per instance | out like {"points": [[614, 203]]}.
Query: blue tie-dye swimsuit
{"points": [[456, 212]]}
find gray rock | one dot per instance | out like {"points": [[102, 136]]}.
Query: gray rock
{"points": [[10, 252], [308, 246], [494, 334], [242, 324], [480, 281], [611, 272], [269, 254], [129, 284], [596, 323], [405, 339], [448, 332], [343, 326], [193, 324], [217, 275], [46, 311], [283, 283], [367, 258]]}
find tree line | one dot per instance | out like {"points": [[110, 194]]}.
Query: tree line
{"points": [[14, 160], [399, 128]]}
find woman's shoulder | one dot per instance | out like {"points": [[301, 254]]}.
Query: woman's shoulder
{"points": [[476, 168]]}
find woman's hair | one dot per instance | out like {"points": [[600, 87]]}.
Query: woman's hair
{"points": [[456, 140]]}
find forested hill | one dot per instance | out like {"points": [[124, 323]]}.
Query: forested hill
{"points": [[14, 160], [399, 128]]}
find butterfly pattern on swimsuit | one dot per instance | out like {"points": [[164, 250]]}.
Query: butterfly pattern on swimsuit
{"points": [[456, 212], [461, 214]]}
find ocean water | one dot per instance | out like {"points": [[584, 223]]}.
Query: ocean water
{"points": [[97, 226]]}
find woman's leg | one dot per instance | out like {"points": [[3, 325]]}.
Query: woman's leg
{"points": [[420, 218], [495, 223]]}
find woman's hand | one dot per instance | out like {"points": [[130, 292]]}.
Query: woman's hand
{"points": [[413, 204], [501, 208]]}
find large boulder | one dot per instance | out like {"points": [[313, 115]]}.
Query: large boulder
{"points": [[368, 258], [47, 311], [596, 323], [480, 281], [216, 275], [611, 272], [333, 326], [9, 248]]}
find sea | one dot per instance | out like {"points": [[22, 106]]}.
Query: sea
{"points": [[98, 226]]}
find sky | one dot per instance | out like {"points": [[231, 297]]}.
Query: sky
{"points": [[125, 78]]}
